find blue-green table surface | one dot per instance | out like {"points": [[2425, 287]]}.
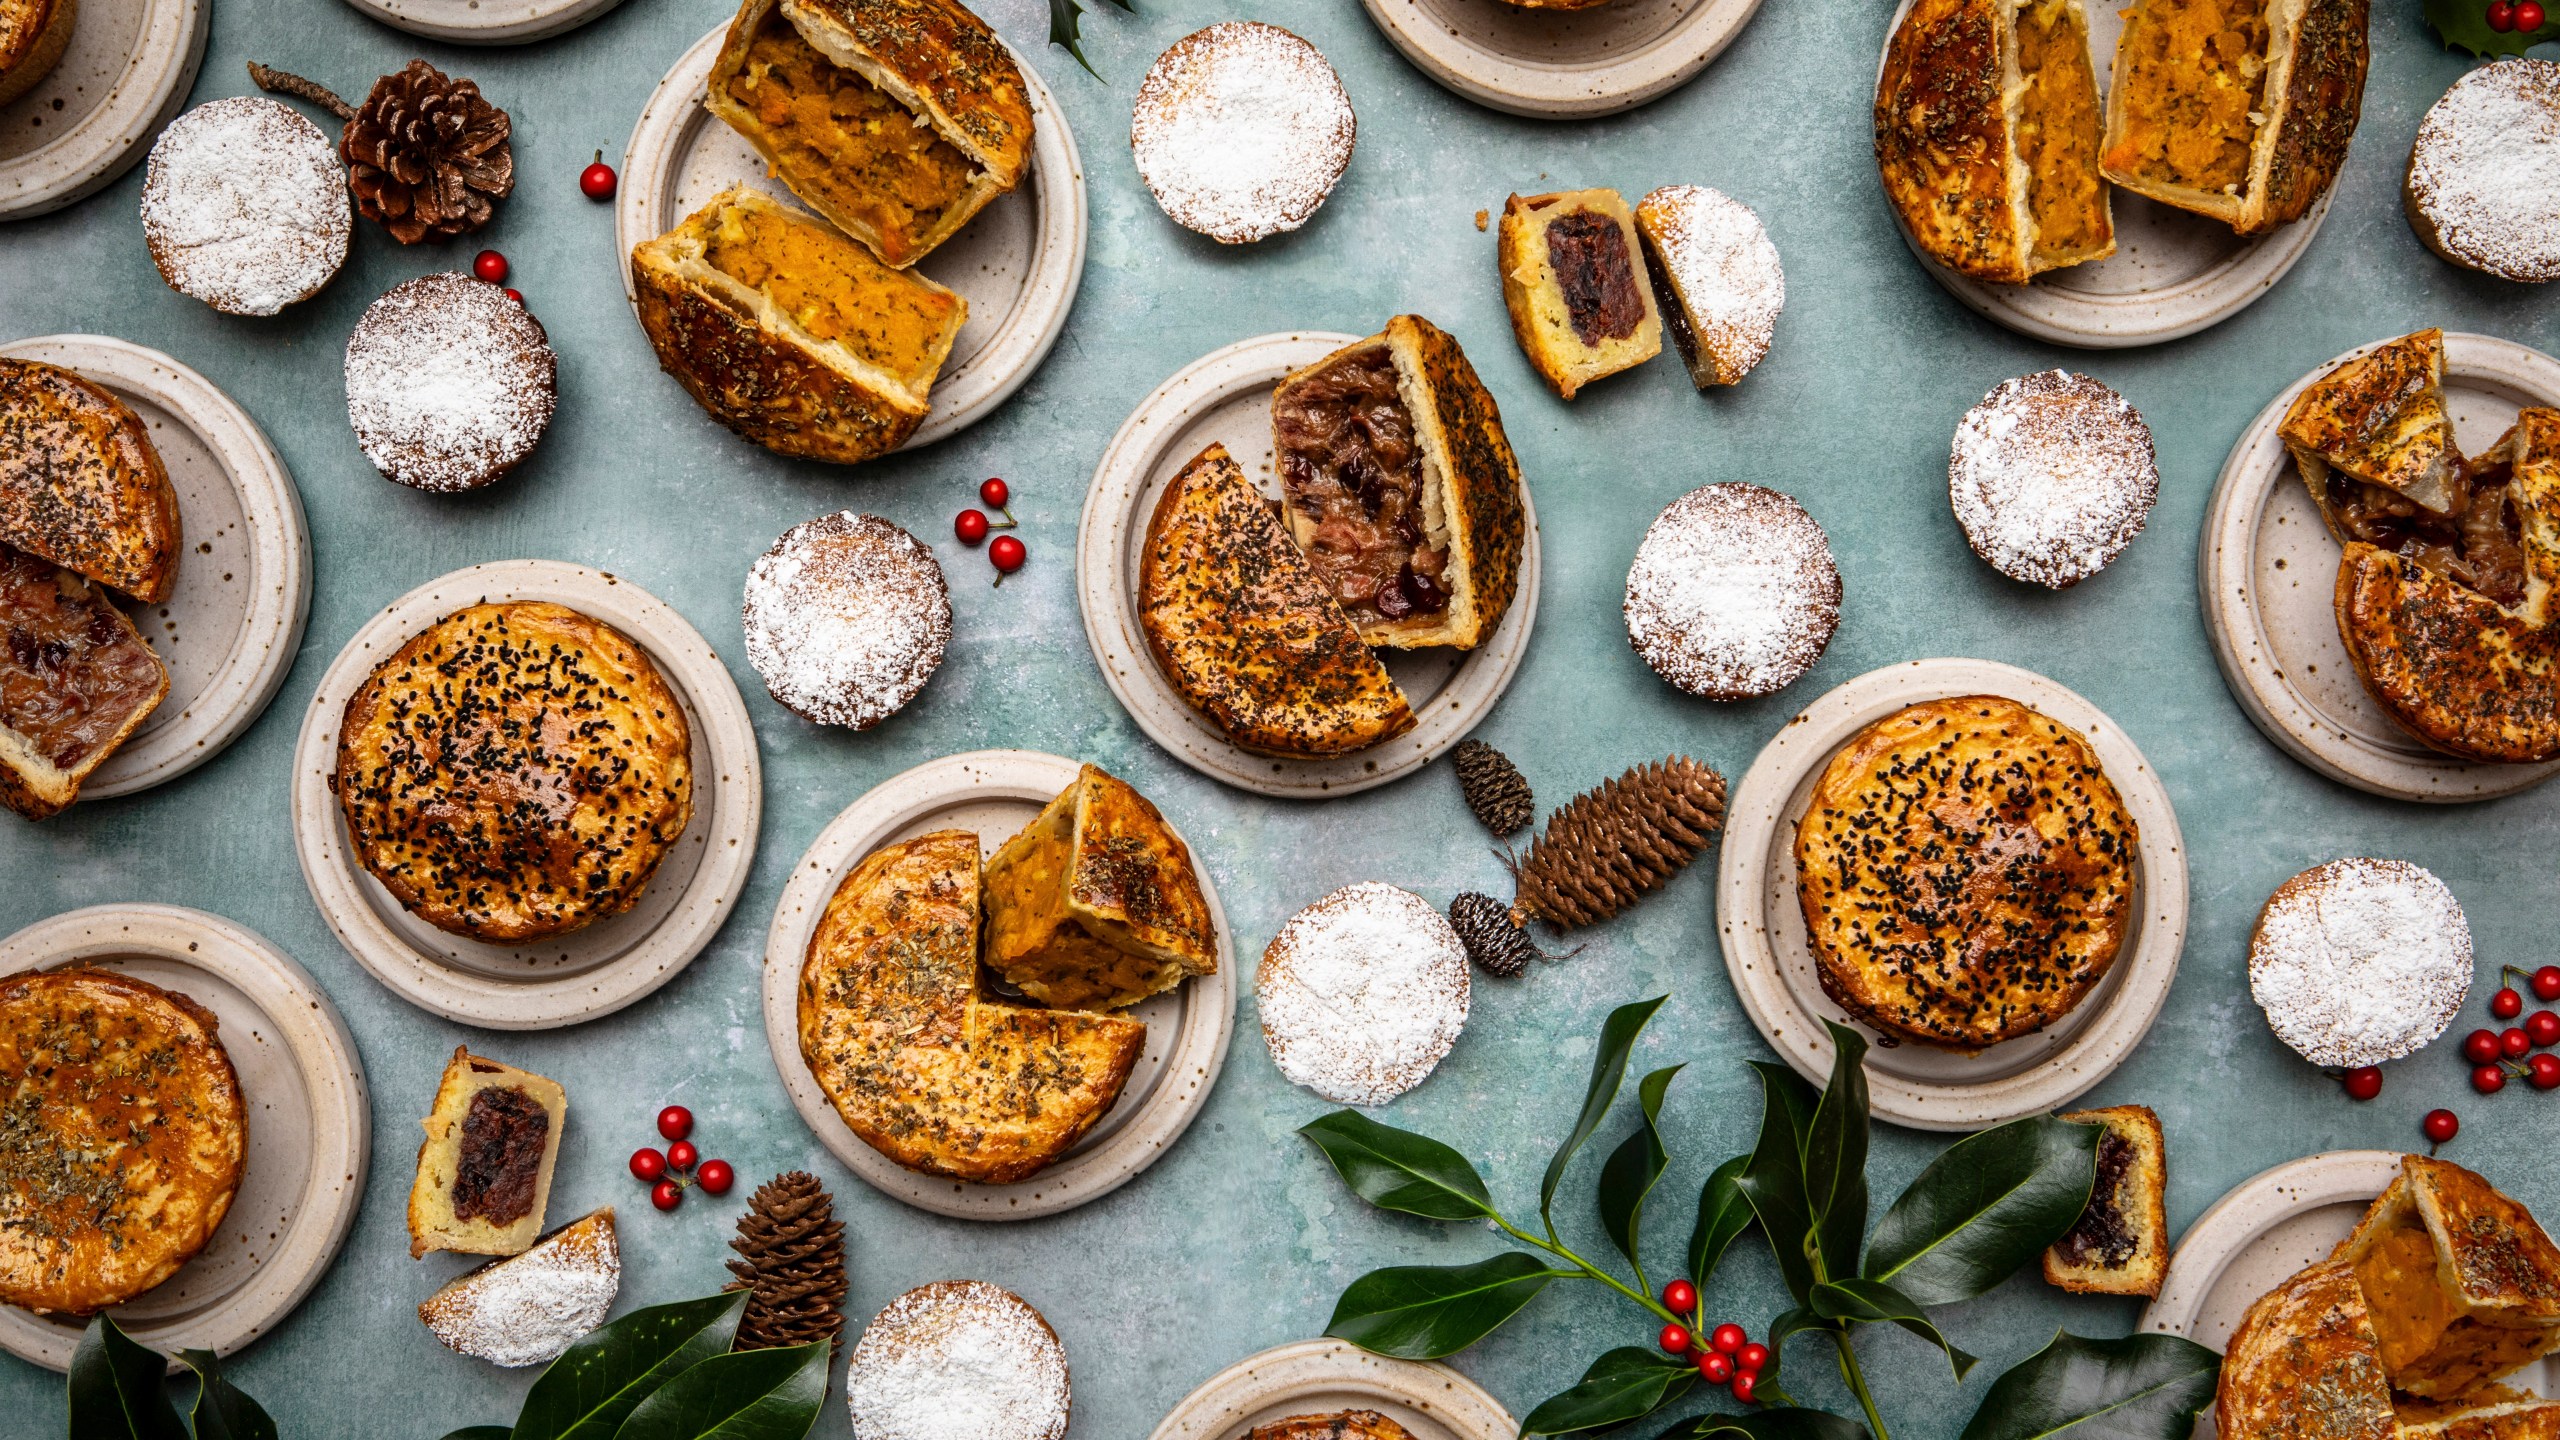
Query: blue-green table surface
{"points": [[1240, 1238]]}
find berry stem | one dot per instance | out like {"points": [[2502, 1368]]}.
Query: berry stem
{"points": [[1857, 1382]]}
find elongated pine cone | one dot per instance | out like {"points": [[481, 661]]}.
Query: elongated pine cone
{"points": [[1608, 847], [426, 155], [792, 1265], [1493, 939], [1494, 787]]}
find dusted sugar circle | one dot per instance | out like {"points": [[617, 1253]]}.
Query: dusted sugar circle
{"points": [[2360, 961], [2483, 189], [847, 616], [1733, 593], [450, 384], [958, 1360], [1241, 130], [1716, 279], [2051, 477], [244, 206], [1362, 993]]}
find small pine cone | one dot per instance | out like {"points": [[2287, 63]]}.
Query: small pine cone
{"points": [[792, 1265], [1493, 939], [1607, 847], [426, 155], [1494, 788]]}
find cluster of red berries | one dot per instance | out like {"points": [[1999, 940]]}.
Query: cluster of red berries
{"points": [[670, 1171], [2497, 1054], [491, 266], [1727, 1356], [2524, 15], [1007, 553]]}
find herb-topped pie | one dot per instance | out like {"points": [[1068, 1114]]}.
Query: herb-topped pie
{"points": [[2463, 1285], [1095, 905], [2304, 1365]]}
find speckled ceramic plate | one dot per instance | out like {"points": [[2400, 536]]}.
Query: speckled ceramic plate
{"points": [[1017, 262], [2174, 272], [567, 978], [310, 1125], [2267, 1228], [1761, 922], [124, 75], [996, 793], [1318, 1377], [1225, 397], [230, 632], [2267, 570], [1559, 64], [484, 22]]}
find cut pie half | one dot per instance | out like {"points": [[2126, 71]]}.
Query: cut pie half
{"points": [[2377, 419], [2304, 1363]]}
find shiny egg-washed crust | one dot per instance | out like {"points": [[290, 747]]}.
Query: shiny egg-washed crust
{"points": [[1339, 1425], [2304, 1365], [2490, 1274], [2381, 418], [1942, 140], [2468, 676], [924, 1071], [514, 771], [934, 57], [122, 1134], [33, 35], [1096, 904], [2492, 1412], [81, 484], [1966, 871], [1247, 633]]}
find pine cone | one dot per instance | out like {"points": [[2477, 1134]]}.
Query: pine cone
{"points": [[426, 155], [1493, 939], [793, 1265], [1607, 847], [1494, 787]]}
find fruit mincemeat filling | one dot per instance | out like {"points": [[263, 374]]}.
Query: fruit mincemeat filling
{"points": [[1597, 276], [2478, 544], [2058, 130], [831, 287], [2103, 1236], [843, 136], [2191, 73], [1349, 459], [72, 668], [504, 1134]]}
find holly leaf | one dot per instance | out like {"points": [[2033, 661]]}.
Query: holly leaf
{"points": [[1985, 1208], [1873, 1302], [1627, 1383], [602, 1377], [1786, 1422], [1722, 1217], [770, 1394], [1633, 1169], [2142, 1387], [1062, 32], [1789, 1323], [2464, 24], [1835, 1156], [222, 1410], [1608, 1069], [479, 1432], [1399, 1170], [1772, 1179], [117, 1389], [1423, 1312]]}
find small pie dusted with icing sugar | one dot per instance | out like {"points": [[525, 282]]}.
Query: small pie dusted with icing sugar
{"points": [[790, 334], [1573, 278], [1733, 593], [2483, 188], [450, 384], [1096, 904], [82, 485], [898, 120], [2051, 477], [2360, 961], [2305, 1362], [1716, 279], [1241, 130], [846, 617], [484, 1170], [2463, 1285], [33, 35], [244, 206], [1363, 993], [526, 1309], [958, 1360], [1986, 130]]}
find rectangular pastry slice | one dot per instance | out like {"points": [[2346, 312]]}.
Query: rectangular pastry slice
{"points": [[2120, 1245], [2464, 1286], [1574, 280], [1095, 905], [484, 1170], [1401, 488], [76, 679]]}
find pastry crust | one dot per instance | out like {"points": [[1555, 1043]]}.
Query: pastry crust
{"points": [[81, 484], [746, 357], [2463, 1285], [514, 771], [33, 35], [1346, 1424], [2304, 1363], [926, 1072], [126, 1134], [1096, 904], [76, 680], [2492, 1412], [470, 1140], [1716, 279], [1247, 633], [2121, 1244], [2380, 417], [1574, 280], [933, 58]]}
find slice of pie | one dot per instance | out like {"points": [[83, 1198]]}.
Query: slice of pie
{"points": [[2463, 1285], [484, 1170], [1573, 277], [2378, 419], [2304, 1363], [76, 680], [2120, 1244], [1096, 905]]}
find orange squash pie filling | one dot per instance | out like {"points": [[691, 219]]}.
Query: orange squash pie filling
{"points": [[833, 288], [2057, 133], [2190, 77]]}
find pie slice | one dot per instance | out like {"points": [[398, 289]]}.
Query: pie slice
{"points": [[1095, 905], [2304, 1363], [2463, 1285], [76, 680], [2492, 1412], [484, 1170], [2120, 1244], [81, 484], [1573, 277], [2378, 419]]}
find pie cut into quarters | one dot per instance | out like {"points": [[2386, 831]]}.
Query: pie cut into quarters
{"points": [[1095, 904], [2462, 1283]]}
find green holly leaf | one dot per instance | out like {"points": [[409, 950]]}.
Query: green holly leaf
{"points": [[117, 1388], [1835, 1156], [1768, 1423], [1399, 1170], [1632, 1170], [743, 1395], [1625, 1384], [222, 1411], [1872, 1302], [1722, 1217], [1985, 1209], [1423, 1312], [1772, 1179], [2142, 1387], [599, 1380], [1608, 1068], [2464, 25]]}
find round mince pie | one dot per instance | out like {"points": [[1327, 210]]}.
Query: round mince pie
{"points": [[1363, 993], [1241, 130], [847, 617], [1733, 593], [2051, 476], [450, 384], [244, 206], [958, 1360], [2483, 189], [2360, 961]]}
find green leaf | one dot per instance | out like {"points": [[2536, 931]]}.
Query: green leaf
{"points": [[1835, 1157], [1722, 1217], [1772, 1179], [1632, 1170], [1874, 1302], [479, 1432], [770, 1394], [1608, 1068], [1423, 1312], [1788, 1323], [605, 1374], [1767, 1423], [118, 1388], [222, 1410], [2142, 1387], [1399, 1170], [1985, 1208], [2465, 23], [1625, 1384], [1062, 31]]}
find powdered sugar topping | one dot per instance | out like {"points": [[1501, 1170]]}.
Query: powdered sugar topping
{"points": [[1733, 592], [2051, 477], [958, 1360], [245, 205], [847, 617], [449, 383], [1723, 271], [1241, 130], [1363, 993], [2485, 170], [528, 1308], [2360, 961]]}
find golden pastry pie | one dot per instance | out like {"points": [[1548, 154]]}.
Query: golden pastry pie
{"points": [[82, 485], [2304, 1363], [1573, 278], [33, 35], [2492, 1412], [2463, 1285], [484, 1170], [76, 680], [1096, 904], [1341, 1424], [2120, 1244], [2377, 419]]}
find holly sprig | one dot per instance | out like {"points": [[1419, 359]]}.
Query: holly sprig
{"points": [[1063, 29], [119, 1391], [2464, 24]]}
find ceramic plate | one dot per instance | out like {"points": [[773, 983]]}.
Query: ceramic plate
{"points": [[1762, 923], [1316, 1377], [1016, 263], [310, 1126], [2174, 273], [2267, 1228], [124, 75], [1225, 396], [996, 793], [2267, 568], [568, 978], [484, 22], [230, 632], [1560, 65]]}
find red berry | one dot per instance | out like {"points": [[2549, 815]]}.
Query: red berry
{"points": [[995, 494], [1751, 1359], [1716, 1366], [2528, 16], [2506, 1004], [515, 294], [2363, 1082], [1675, 1339], [716, 1177], [596, 182], [2480, 1047], [666, 1194], [970, 526], [2513, 1042], [2489, 1079], [2502, 16], [1728, 1338], [2544, 1072], [675, 1122], [1743, 1385], [1007, 554], [489, 265], [681, 1155], [1680, 1297], [2542, 1027], [2546, 983], [648, 1164], [2441, 1125]]}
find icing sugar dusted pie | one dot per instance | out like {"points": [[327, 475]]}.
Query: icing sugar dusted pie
{"points": [[846, 618], [1241, 130], [450, 384], [1574, 281], [1716, 279], [526, 1309], [2360, 961], [2051, 476], [244, 205], [2483, 188], [1363, 993], [1733, 593], [958, 1360]]}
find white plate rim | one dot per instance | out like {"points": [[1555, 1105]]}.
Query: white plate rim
{"points": [[2136, 987], [2246, 1212], [1564, 92], [2226, 550], [263, 652], [1029, 330], [735, 791], [1196, 1055], [543, 20], [111, 138], [333, 1074], [1111, 525], [1315, 1367]]}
